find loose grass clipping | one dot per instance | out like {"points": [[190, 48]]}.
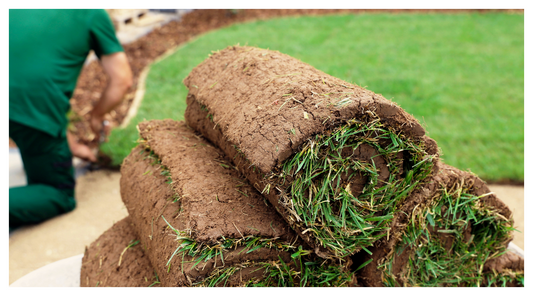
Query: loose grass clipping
{"points": [[202, 224], [336, 160]]}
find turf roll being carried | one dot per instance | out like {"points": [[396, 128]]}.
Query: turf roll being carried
{"points": [[202, 224], [336, 160], [116, 259]]}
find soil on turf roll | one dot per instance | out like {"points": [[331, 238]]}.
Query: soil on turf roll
{"points": [[202, 224], [506, 270], [116, 259], [267, 111], [457, 237]]}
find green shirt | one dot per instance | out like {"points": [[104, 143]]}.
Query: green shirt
{"points": [[47, 50]]}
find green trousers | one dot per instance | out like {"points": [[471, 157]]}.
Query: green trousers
{"points": [[50, 175]]}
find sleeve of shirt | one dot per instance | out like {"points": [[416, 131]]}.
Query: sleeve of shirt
{"points": [[103, 38]]}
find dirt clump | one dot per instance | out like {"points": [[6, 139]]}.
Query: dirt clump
{"points": [[506, 270]]}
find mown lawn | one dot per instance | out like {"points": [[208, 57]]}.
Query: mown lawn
{"points": [[461, 75]]}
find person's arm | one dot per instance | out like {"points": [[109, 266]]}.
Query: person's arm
{"points": [[119, 74]]}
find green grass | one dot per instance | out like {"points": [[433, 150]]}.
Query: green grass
{"points": [[502, 279], [298, 273], [319, 196], [202, 252], [306, 270], [461, 75], [155, 278], [431, 264]]}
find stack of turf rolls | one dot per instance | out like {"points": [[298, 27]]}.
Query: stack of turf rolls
{"points": [[201, 224], [285, 176]]}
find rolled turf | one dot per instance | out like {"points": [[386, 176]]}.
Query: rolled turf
{"points": [[458, 237], [116, 259], [335, 159], [346, 168], [201, 224]]}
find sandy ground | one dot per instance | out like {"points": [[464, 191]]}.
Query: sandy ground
{"points": [[513, 197], [100, 206]]}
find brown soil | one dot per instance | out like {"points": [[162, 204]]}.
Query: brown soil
{"points": [[213, 194], [100, 263], [270, 103], [259, 106], [214, 202], [507, 263]]}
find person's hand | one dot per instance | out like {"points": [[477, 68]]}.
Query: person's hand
{"points": [[100, 128], [80, 150], [83, 152], [96, 123]]}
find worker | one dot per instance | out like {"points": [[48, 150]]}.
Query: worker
{"points": [[47, 50]]}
